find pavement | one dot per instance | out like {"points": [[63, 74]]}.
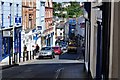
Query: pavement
{"points": [[5, 65], [8, 66]]}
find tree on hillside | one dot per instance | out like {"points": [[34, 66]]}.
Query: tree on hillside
{"points": [[72, 10]]}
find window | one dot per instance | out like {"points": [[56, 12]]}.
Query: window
{"points": [[60, 33], [48, 4], [17, 12], [2, 13], [42, 4], [10, 17]]}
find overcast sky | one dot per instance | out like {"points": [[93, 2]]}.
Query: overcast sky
{"points": [[68, 0]]}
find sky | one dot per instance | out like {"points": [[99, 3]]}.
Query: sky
{"points": [[68, 0]]}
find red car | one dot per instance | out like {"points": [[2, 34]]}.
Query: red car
{"points": [[57, 50]]}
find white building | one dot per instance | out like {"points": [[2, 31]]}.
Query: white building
{"points": [[80, 27], [60, 31], [34, 36], [40, 20], [65, 4]]}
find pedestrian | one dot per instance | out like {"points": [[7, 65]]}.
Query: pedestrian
{"points": [[33, 49], [25, 51], [25, 48], [37, 48]]}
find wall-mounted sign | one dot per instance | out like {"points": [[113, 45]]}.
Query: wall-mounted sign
{"points": [[18, 20], [7, 33], [39, 27]]}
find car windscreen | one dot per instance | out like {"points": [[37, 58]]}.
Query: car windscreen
{"points": [[46, 48]]}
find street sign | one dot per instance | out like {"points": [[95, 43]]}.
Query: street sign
{"points": [[18, 20], [39, 27]]}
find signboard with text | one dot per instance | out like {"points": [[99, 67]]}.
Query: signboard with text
{"points": [[7, 33]]}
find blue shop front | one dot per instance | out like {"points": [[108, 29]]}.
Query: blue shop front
{"points": [[49, 39], [6, 42]]}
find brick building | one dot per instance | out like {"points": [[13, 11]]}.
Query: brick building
{"points": [[48, 22], [28, 14]]}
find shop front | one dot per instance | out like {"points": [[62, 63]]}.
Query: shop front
{"points": [[6, 42]]}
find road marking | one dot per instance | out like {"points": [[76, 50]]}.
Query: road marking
{"points": [[58, 73]]}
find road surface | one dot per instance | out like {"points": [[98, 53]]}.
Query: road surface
{"points": [[61, 67]]}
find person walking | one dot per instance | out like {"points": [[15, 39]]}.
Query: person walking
{"points": [[37, 49], [25, 52]]}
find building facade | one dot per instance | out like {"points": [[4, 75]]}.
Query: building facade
{"points": [[49, 23], [40, 21], [28, 23], [28, 14], [10, 29], [101, 47]]}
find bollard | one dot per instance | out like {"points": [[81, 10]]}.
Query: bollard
{"points": [[33, 53], [10, 59], [23, 56], [19, 57], [14, 59], [27, 56], [30, 55]]}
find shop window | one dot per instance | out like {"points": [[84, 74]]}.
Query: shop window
{"points": [[60, 33]]}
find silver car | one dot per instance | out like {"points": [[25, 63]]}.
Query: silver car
{"points": [[46, 52]]}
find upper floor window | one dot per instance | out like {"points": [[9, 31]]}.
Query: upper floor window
{"points": [[2, 13], [10, 16], [42, 4]]}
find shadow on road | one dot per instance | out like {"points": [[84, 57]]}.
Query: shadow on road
{"points": [[72, 55]]}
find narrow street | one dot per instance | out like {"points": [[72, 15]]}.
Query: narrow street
{"points": [[59, 39], [66, 65]]}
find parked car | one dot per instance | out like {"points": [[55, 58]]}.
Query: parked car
{"points": [[57, 50], [46, 52]]}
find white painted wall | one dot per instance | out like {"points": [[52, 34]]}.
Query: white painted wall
{"points": [[113, 58], [93, 43], [60, 31], [40, 14], [79, 30]]}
